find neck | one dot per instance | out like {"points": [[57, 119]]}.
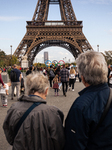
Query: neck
{"points": [[42, 95], [86, 84]]}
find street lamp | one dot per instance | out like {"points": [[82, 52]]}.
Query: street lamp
{"points": [[98, 48], [11, 55]]}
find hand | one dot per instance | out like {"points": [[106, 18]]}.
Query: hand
{"points": [[4, 86]]}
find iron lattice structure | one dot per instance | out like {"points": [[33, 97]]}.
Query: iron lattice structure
{"points": [[42, 33]]}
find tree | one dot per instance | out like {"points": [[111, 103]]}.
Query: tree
{"points": [[7, 60], [108, 57], [3, 59]]}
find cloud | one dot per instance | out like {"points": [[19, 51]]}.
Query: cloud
{"points": [[111, 31], [10, 18]]}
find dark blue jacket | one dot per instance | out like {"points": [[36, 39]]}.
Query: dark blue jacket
{"points": [[83, 117], [18, 72]]}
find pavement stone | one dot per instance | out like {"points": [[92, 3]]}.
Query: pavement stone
{"points": [[62, 102]]}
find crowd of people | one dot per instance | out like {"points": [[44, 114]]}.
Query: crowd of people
{"points": [[31, 124], [60, 78]]}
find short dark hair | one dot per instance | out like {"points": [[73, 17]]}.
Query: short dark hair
{"points": [[15, 65], [63, 65]]}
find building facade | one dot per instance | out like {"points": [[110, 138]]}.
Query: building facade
{"points": [[45, 56]]}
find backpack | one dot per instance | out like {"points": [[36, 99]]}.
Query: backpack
{"points": [[13, 76], [51, 73]]}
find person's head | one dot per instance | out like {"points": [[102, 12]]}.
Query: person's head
{"points": [[111, 67], [72, 71], [37, 82], [92, 67], [56, 76], [63, 65], [15, 66]]}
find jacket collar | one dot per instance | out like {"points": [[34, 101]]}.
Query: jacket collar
{"points": [[94, 88], [32, 98]]}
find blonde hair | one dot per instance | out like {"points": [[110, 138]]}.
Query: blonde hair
{"points": [[72, 70], [55, 78]]}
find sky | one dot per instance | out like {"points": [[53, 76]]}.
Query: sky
{"points": [[95, 14]]}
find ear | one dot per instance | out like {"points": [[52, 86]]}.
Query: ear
{"points": [[83, 80], [46, 92]]}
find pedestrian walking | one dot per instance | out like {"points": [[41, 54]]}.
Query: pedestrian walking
{"points": [[42, 126], [1, 81], [4, 94], [22, 85], [64, 78], [15, 77], [29, 71], [72, 78], [55, 85], [51, 75], [110, 77], [88, 126]]}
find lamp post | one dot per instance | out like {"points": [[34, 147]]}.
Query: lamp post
{"points": [[98, 48], [11, 55]]}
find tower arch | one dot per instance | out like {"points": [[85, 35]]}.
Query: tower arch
{"points": [[43, 33]]}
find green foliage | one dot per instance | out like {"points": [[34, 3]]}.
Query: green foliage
{"points": [[39, 65], [3, 59], [8, 71], [7, 60]]}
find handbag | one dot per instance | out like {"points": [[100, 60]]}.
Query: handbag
{"points": [[106, 109]]}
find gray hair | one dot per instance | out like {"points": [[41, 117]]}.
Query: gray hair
{"points": [[36, 82], [93, 67]]}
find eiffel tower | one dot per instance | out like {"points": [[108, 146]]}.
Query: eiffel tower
{"points": [[42, 33]]}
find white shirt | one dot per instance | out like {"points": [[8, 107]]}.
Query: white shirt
{"points": [[72, 76], [3, 90]]}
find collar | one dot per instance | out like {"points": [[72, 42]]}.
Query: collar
{"points": [[32, 98], [94, 88]]}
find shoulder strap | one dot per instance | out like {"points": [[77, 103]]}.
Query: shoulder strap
{"points": [[105, 111], [24, 116]]}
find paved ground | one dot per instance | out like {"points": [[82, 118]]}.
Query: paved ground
{"points": [[63, 103]]}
